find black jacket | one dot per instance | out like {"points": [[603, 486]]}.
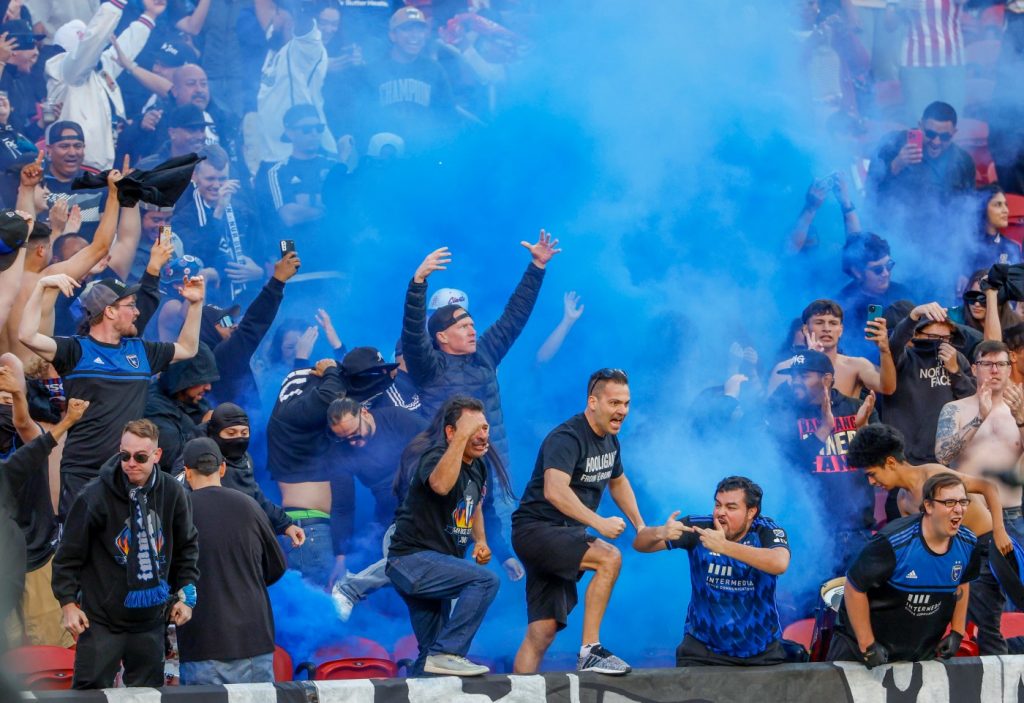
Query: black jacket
{"points": [[237, 383], [297, 431], [178, 421], [440, 376], [89, 560]]}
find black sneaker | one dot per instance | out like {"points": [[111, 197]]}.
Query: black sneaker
{"points": [[603, 662]]}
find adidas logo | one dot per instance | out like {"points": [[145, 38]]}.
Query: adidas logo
{"points": [[911, 575], [97, 360], [295, 180]]}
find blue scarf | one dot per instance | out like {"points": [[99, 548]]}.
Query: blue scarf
{"points": [[145, 587]]}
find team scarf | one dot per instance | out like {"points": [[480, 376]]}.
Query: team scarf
{"points": [[145, 587]]}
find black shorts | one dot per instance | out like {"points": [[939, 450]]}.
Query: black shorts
{"points": [[551, 555], [692, 652]]}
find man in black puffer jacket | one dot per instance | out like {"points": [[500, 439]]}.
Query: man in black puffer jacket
{"points": [[444, 356], [175, 402]]}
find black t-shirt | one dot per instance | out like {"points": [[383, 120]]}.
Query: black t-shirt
{"points": [[911, 589], [239, 558], [34, 509], [114, 379], [375, 463], [427, 521], [573, 448]]}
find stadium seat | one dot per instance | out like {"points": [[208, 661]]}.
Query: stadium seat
{"points": [[41, 667], [972, 137], [283, 669], [800, 632], [406, 648], [353, 647], [356, 668], [1012, 625]]}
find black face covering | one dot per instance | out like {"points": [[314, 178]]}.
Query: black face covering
{"points": [[927, 346], [233, 448]]}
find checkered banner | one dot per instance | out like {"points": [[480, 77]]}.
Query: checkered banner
{"points": [[975, 680]]}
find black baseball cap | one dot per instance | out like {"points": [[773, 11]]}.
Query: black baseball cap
{"points": [[444, 317], [13, 234], [214, 314], [809, 360], [202, 454], [103, 293], [365, 360], [56, 132], [173, 53], [187, 116], [302, 111], [21, 32]]}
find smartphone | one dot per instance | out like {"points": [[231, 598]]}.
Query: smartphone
{"points": [[287, 245], [874, 311], [165, 234], [915, 137]]}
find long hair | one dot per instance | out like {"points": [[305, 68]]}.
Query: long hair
{"points": [[434, 436], [1007, 317]]}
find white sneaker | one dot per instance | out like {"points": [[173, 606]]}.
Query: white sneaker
{"points": [[342, 603], [452, 665]]}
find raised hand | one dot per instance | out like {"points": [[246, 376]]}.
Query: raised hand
{"points": [[324, 320], [76, 409], [59, 215], [984, 401], [573, 309], [1013, 396], [32, 173], [194, 289], [877, 331], [865, 410], [287, 266], [322, 366], [436, 260], [543, 251], [929, 311], [306, 341], [673, 529], [61, 281], [74, 224]]}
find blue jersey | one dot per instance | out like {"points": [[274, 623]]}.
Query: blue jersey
{"points": [[732, 605], [911, 589]]}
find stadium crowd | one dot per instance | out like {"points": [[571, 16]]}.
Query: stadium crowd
{"points": [[163, 163]]}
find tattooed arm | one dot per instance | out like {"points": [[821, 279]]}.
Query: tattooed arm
{"points": [[950, 437]]}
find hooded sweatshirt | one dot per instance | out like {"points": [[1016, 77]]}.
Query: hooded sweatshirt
{"points": [[177, 420], [923, 386], [92, 556]]}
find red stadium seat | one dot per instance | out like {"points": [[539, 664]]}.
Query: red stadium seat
{"points": [[356, 668], [406, 648], [283, 669], [41, 667], [353, 647], [972, 137], [1012, 625], [800, 632]]}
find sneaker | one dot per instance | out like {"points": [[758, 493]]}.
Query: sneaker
{"points": [[603, 662], [452, 665], [342, 603]]}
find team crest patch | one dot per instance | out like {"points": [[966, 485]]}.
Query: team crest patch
{"points": [[957, 570], [133, 359]]}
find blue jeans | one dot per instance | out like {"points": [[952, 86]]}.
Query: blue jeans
{"points": [[209, 672], [428, 582], [315, 558], [358, 586]]}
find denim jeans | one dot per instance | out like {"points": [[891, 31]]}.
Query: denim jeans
{"points": [[358, 586], [209, 672], [315, 558], [428, 582]]}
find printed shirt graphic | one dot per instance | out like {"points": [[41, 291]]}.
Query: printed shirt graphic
{"points": [[732, 607], [427, 521], [573, 448], [911, 589]]}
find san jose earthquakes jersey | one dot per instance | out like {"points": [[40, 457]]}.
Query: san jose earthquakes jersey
{"points": [[911, 589], [732, 604], [114, 379]]}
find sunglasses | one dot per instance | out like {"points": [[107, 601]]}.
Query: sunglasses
{"points": [[140, 457], [309, 128], [879, 269], [930, 134], [939, 337], [606, 374], [974, 297]]}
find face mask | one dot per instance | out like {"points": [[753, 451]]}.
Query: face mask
{"points": [[233, 448], [927, 346]]}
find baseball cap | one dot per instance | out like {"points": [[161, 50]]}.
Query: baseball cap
{"points": [[444, 317], [302, 111], [365, 360], [100, 294], [55, 132], [404, 16], [187, 116], [13, 234], [809, 360], [173, 53], [448, 296], [21, 32], [187, 265], [202, 454], [213, 314]]}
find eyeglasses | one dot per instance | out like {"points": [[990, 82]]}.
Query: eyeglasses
{"points": [[940, 337], [133, 306], [355, 436], [879, 269], [140, 457], [309, 128], [953, 502], [993, 364], [974, 297], [930, 134], [606, 374]]}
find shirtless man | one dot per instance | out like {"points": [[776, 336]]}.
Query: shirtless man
{"points": [[981, 433], [822, 328]]}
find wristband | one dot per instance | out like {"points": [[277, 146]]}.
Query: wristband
{"points": [[187, 595]]}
